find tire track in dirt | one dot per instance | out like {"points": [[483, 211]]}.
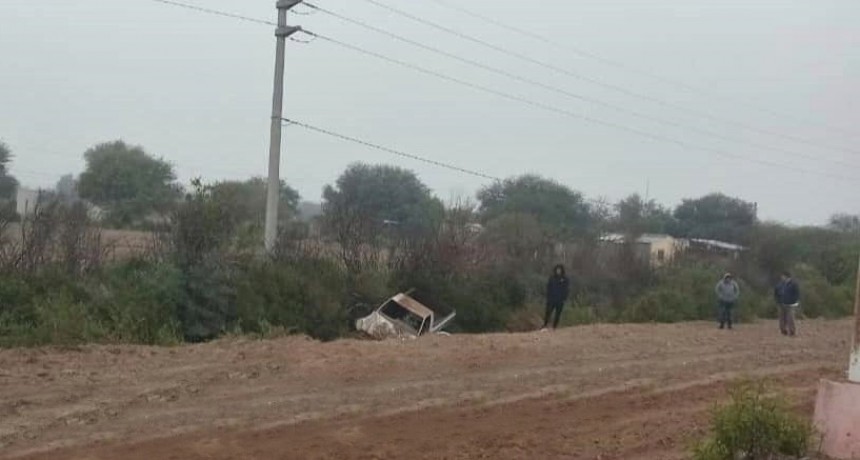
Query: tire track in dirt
{"points": [[610, 424], [65, 399]]}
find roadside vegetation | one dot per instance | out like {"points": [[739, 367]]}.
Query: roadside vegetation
{"points": [[201, 273], [756, 425]]}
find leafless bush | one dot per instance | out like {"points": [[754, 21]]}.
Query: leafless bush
{"points": [[8, 235], [452, 245], [356, 236], [79, 245], [199, 231], [38, 231], [53, 233], [295, 244]]}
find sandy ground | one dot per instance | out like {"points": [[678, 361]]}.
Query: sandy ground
{"points": [[596, 392], [120, 244]]}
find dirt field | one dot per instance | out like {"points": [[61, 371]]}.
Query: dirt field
{"points": [[601, 392], [121, 244]]}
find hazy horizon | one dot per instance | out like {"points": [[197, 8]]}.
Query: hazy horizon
{"points": [[196, 90]]}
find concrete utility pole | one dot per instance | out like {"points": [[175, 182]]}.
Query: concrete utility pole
{"points": [[274, 184], [854, 367], [837, 408]]}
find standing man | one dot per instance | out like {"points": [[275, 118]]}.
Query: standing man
{"points": [[728, 294], [557, 292], [787, 294]]}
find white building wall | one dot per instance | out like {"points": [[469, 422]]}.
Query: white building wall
{"points": [[25, 200]]}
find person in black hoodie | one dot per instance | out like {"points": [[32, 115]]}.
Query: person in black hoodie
{"points": [[557, 292]]}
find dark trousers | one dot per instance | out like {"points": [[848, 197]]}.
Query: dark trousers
{"points": [[725, 314], [550, 309]]}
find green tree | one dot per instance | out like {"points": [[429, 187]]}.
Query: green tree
{"points": [[67, 188], [635, 216], [201, 234], [519, 235], [201, 228], [246, 203], [832, 253], [127, 183], [562, 212], [369, 202], [248, 199], [773, 248], [716, 216], [845, 223], [8, 184]]}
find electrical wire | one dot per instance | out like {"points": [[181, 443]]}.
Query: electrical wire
{"points": [[303, 42], [399, 153], [570, 94], [524, 57], [594, 81], [560, 111], [215, 12], [303, 13], [623, 66], [509, 96]]}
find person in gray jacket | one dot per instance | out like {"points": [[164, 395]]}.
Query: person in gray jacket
{"points": [[728, 292]]}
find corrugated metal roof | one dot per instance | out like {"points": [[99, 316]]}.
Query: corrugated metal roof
{"points": [[645, 238], [719, 244], [655, 238]]}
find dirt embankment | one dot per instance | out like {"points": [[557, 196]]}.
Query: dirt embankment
{"points": [[630, 391]]}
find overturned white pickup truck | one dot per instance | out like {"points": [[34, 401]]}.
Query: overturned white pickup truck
{"points": [[402, 317]]}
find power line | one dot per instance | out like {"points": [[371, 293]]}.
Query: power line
{"points": [[399, 153], [215, 12], [313, 36], [570, 94], [594, 81], [411, 156], [557, 110], [303, 13], [520, 56], [623, 66], [514, 97]]}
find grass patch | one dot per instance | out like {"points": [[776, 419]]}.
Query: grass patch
{"points": [[755, 425]]}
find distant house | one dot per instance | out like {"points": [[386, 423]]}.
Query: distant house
{"points": [[654, 249], [25, 201], [309, 210], [658, 250]]}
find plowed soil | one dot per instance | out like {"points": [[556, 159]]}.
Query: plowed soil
{"points": [[596, 392]]}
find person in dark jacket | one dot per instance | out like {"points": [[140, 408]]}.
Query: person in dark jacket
{"points": [[557, 292], [787, 294]]}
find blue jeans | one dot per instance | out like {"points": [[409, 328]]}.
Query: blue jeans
{"points": [[725, 314]]}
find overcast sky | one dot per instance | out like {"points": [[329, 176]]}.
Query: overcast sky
{"points": [[196, 90]]}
